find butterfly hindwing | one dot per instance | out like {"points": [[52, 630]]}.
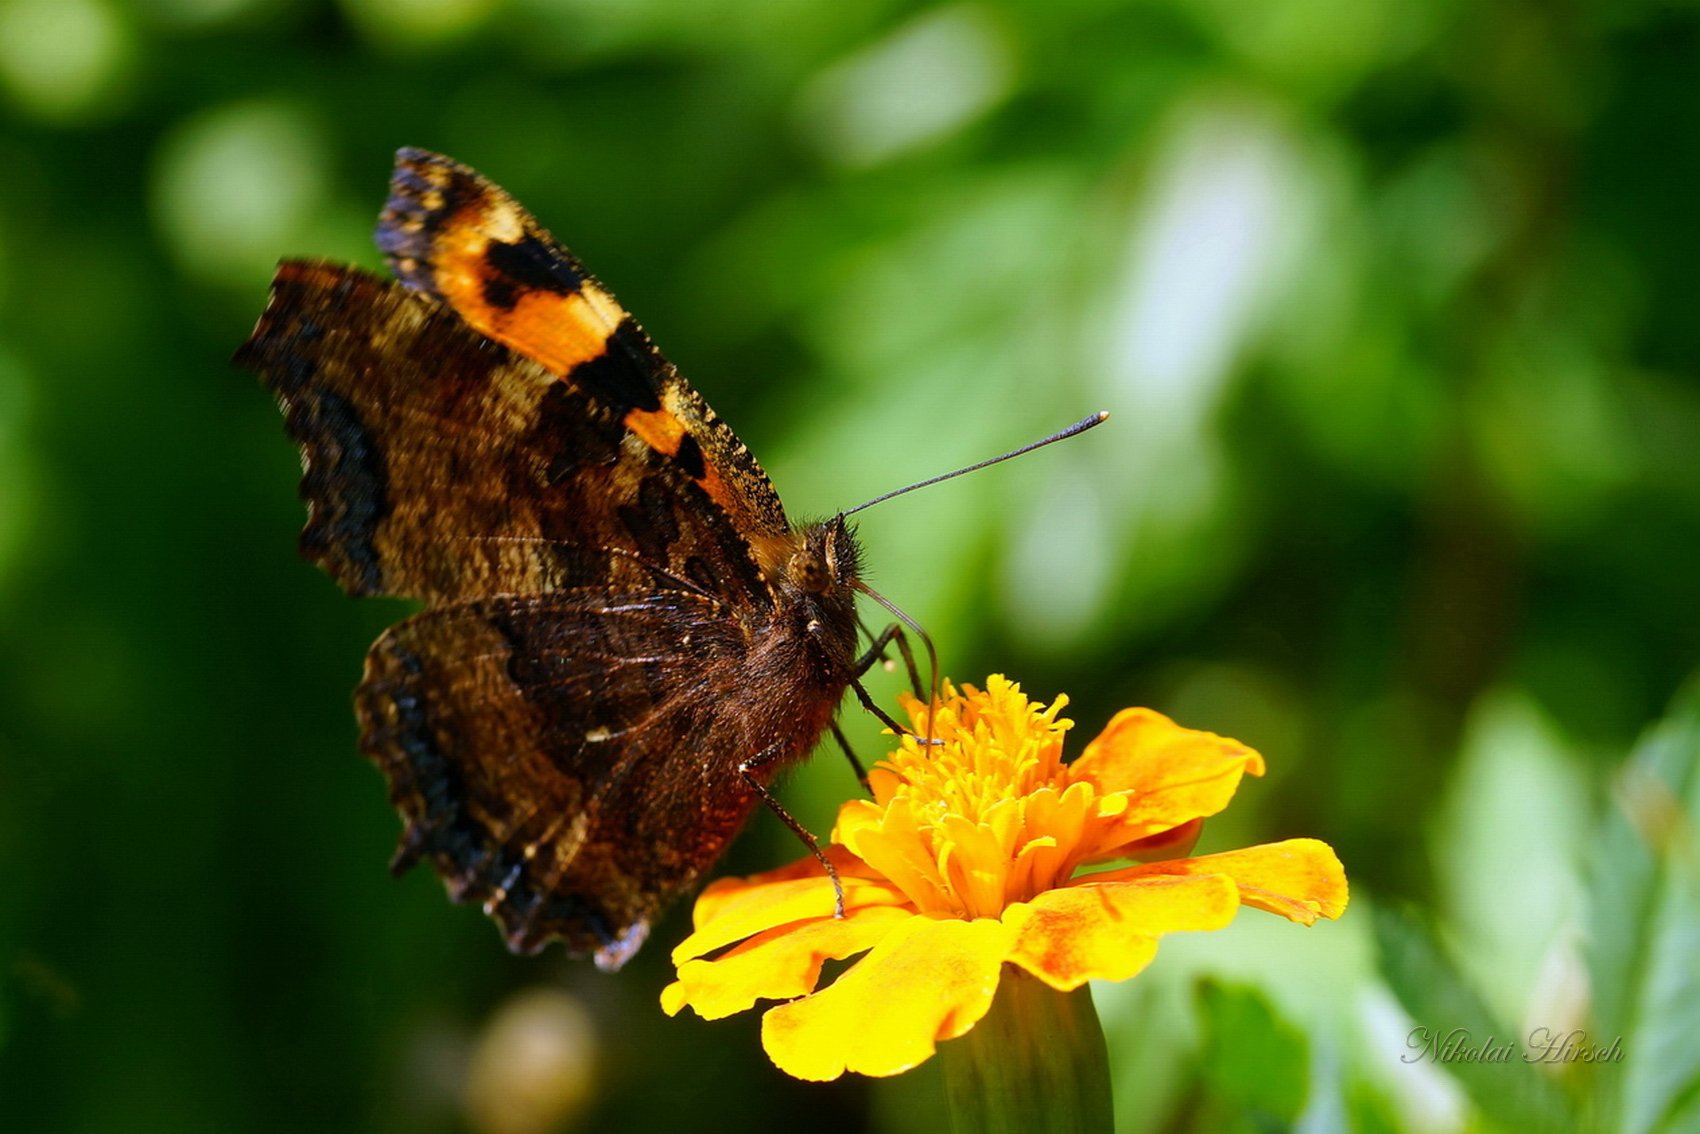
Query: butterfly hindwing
{"points": [[541, 748]]}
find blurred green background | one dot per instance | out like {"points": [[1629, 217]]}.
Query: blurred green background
{"points": [[1394, 305]]}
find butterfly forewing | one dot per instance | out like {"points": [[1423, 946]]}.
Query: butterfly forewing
{"points": [[450, 233], [439, 465]]}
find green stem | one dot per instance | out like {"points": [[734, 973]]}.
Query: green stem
{"points": [[1036, 1064]]}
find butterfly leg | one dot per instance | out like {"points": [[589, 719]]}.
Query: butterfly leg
{"points": [[850, 755], [747, 770], [883, 716], [892, 634]]}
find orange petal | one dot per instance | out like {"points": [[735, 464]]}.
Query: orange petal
{"points": [[742, 910], [777, 965], [722, 890], [928, 980], [1172, 774], [1176, 842], [897, 849], [1300, 879], [1108, 931]]}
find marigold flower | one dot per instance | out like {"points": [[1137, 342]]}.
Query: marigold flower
{"points": [[968, 859]]}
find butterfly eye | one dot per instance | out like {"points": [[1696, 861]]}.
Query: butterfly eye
{"points": [[808, 572]]}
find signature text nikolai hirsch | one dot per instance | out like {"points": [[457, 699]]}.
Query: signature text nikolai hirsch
{"points": [[1544, 1045]]}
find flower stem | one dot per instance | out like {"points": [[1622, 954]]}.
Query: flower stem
{"points": [[1035, 1064]]}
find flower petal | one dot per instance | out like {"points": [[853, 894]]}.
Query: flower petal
{"points": [[928, 980], [1108, 931], [722, 890], [1172, 775], [1176, 842], [894, 846], [777, 965], [1300, 879], [744, 910]]}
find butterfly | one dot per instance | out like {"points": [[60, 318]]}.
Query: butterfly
{"points": [[623, 639]]}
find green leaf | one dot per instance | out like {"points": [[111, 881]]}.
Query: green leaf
{"points": [[1457, 1032], [1253, 1059], [1644, 931]]}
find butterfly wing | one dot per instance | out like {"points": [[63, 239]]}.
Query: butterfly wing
{"points": [[568, 761], [604, 644], [441, 466], [452, 234]]}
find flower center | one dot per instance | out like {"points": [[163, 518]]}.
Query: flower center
{"points": [[985, 817]]}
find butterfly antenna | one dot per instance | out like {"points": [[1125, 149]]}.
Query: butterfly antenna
{"points": [[1080, 426]]}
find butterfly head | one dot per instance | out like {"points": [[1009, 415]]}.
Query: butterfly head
{"points": [[813, 570], [824, 559]]}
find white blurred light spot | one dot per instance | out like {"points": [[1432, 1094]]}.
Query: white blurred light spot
{"points": [[61, 59], [534, 1068], [1560, 997], [1053, 593], [1201, 263], [928, 79], [1207, 248], [234, 187], [1425, 1096], [1511, 751]]}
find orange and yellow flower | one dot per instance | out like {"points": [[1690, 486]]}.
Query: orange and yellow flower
{"points": [[968, 859]]}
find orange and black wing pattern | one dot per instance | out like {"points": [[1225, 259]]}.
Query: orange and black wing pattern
{"points": [[441, 466], [450, 233], [605, 643]]}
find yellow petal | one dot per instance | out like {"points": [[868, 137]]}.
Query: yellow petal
{"points": [[1055, 822], [724, 890], [1172, 774], [928, 980], [898, 849], [1108, 931], [1300, 879], [744, 910], [777, 965]]}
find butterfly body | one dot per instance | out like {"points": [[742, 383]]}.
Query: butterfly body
{"points": [[623, 638]]}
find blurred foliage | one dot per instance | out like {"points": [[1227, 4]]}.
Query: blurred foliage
{"points": [[1255, 1063], [1511, 1091], [1393, 305]]}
